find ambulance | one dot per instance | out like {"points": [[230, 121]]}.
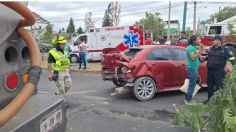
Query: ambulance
{"points": [[122, 38]]}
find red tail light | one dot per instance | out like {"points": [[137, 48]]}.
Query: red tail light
{"points": [[11, 81]]}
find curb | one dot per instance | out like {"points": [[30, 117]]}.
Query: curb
{"points": [[80, 71]]}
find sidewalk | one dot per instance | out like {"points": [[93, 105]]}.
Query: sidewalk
{"points": [[94, 67]]}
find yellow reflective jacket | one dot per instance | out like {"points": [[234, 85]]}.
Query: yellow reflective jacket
{"points": [[62, 61]]}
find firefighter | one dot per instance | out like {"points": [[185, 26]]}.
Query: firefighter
{"points": [[58, 60], [218, 56]]}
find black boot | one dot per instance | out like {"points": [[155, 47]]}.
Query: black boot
{"points": [[85, 67]]}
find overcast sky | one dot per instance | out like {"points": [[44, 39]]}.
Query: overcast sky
{"points": [[59, 13]]}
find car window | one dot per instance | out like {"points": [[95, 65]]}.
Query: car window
{"points": [[159, 55], [132, 52], [180, 54], [76, 42]]}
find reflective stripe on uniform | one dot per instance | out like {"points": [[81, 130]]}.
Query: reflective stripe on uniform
{"points": [[231, 58], [62, 61]]}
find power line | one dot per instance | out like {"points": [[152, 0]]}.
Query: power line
{"points": [[152, 10], [127, 14], [98, 13]]}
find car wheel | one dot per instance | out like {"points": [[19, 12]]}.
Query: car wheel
{"points": [[119, 83], [144, 88], [74, 59]]}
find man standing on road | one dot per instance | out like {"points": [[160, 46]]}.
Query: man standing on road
{"points": [[218, 56], [192, 66], [58, 60]]}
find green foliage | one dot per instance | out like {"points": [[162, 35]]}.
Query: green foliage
{"points": [[230, 122], [190, 116], [230, 27], [221, 110], [152, 22], [46, 38], [189, 32], [71, 26], [80, 30], [107, 21], [225, 13], [112, 15], [212, 31]]}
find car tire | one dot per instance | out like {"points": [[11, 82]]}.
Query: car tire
{"points": [[144, 88], [74, 59], [119, 83]]}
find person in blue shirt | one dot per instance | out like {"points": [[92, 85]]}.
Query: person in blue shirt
{"points": [[218, 55], [68, 49]]}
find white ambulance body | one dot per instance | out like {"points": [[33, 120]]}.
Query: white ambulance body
{"points": [[106, 37]]}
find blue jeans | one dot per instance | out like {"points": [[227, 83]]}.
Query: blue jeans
{"points": [[86, 58], [192, 75], [82, 59]]}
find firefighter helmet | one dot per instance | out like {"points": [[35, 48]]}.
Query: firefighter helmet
{"points": [[61, 40]]}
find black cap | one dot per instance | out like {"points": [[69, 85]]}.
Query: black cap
{"points": [[217, 37], [183, 32]]}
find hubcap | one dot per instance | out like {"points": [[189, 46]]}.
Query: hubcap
{"points": [[145, 88], [73, 59]]}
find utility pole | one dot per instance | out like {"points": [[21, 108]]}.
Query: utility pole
{"points": [[194, 18], [168, 34], [184, 17], [218, 19]]}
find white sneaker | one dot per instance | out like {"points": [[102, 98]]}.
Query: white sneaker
{"points": [[189, 102]]}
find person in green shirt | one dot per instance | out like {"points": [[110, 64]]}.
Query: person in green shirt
{"points": [[192, 66]]}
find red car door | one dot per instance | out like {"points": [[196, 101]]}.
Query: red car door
{"points": [[180, 57], [163, 67]]}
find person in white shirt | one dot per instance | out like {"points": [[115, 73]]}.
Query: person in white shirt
{"points": [[82, 52]]}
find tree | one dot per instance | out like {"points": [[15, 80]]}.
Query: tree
{"points": [[107, 21], [112, 15], [154, 23], [88, 21], [70, 27], [189, 32], [219, 115], [115, 13], [46, 38], [80, 30], [225, 13], [230, 27]]}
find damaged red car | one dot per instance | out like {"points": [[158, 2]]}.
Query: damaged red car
{"points": [[148, 69]]}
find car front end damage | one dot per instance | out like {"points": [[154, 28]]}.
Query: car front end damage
{"points": [[121, 74], [118, 66]]}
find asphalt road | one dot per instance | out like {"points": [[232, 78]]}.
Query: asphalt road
{"points": [[92, 109]]}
